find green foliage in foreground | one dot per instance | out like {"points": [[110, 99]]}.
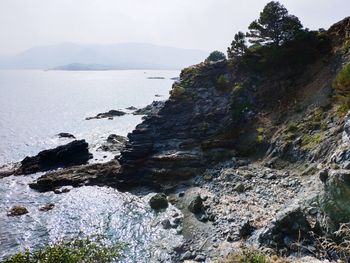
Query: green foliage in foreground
{"points": [[247, 256], [72, 251]]}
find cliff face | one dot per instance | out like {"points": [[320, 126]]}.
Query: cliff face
{"points": [[253, 142], [173, 144], [224, 109]]}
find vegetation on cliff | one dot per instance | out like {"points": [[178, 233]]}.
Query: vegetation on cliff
{"points": [[342, 87], [216, 56]]}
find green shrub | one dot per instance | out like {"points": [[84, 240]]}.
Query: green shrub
{"points": [[311, 141], [177, 91], [72, 251], [342, 81], [222, 82], [293, 127], [260, 138], [216, 56], [342, 86], [249, 256]]}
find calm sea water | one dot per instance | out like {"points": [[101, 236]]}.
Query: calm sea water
{"points": [[36, 105]]}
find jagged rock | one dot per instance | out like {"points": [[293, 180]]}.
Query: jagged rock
{"points": [[166, 224], [131, 108], [151, 109], [17, 210], [246, 229], [323, 175], [66, 135], [196, 205], [240, 188], [73, 153], [289, 226], [336, 196], [158, 201], [171, 145], [107, 115], [115, 143], [92, 174], [9, 169]]}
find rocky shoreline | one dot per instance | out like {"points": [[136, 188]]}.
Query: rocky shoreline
{"points": [[244, 170]]}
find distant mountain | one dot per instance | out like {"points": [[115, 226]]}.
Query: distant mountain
{"points": [[114, 56]]}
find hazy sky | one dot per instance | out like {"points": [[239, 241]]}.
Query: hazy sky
{"points": [[199, 24]]}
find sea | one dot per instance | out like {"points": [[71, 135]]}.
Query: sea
{"points": [[35, 106]]}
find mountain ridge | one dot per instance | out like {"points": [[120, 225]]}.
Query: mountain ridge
{"points": [[123, 55]]}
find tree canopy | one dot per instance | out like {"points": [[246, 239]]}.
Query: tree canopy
{"points": [[216, 56], [274, 26], [238, 46]]}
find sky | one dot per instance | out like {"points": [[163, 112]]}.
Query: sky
{"points": [[197, 24]]}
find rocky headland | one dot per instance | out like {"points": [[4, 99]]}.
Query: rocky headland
{"points": [[255, 155]]}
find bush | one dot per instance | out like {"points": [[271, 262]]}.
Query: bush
{"points": [[177, 91], [222, 82], [72, 251], [252, 256], [342, 81], [216, 56], [342, 86]]}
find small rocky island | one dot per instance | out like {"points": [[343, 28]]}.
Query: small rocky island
{"points": [[254, 150]]}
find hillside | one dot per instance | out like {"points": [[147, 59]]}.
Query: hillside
{"points": [[113, 56], [265, 151]]}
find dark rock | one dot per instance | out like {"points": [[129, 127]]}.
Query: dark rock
{"points": [[289, 226], [151, 109], [239, 188], [323, 175], [196, 205], [66, 135], [158, 201], [46, 207], [9, 169], [17, 210], [181, 194], [115, 143], [171, 144], [73, 153], [166, 224], [246, 229], [335, 198], [200, 258], [186, 255], [131, 108], [91, 174], [106, 115]]}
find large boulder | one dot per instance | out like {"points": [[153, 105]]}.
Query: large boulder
{"points": [[17, 210], [158, 201], [91, 174], [288, 227], [73, 153], [335, 198]]}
